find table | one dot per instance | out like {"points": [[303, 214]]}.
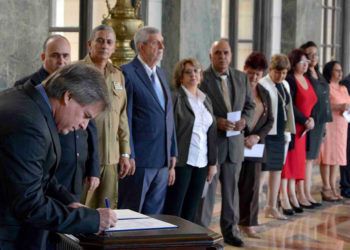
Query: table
{"points": [[187, 236]]}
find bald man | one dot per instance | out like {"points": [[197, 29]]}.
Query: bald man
{"points": [[79, 161]]}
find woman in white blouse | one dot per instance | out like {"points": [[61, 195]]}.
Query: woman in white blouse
{"points": [[196, 141], [277, 140]]}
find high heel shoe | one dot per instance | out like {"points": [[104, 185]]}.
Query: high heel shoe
{"points": [[311, 206], [327, 195], [271, 212], [316, 204], [249, 232], [337, 195], [296, 209], [285, 211]]}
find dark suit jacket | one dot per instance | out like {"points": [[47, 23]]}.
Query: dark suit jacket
{"points": [[184, 121], [31, 200], [265, 122], [152, 137], [321, 112], [79, 149], [229, 148]]}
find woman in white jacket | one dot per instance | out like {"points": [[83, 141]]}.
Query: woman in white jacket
{"points": [[277, 140]]}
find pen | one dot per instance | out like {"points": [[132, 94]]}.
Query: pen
{"points": [[107, 203]]}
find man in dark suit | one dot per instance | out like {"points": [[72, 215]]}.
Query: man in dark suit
{"points": [[151, 121], [229, 91], [31, 200], [79, 161]]}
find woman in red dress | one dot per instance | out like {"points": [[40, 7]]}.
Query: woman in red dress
{"points": [[304, 99]]}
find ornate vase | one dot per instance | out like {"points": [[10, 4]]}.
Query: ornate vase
{"points": [[124, 19]]}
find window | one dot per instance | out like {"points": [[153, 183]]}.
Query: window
{"points": [[245, 31], [64, 20], [330, 43], [240, 29]]}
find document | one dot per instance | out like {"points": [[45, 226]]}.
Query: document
{"points": [[124, 214], [256, 151], [205, 189], [140, 224], [346, 115], [233, 117]]}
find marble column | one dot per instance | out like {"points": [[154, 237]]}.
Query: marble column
{"points": [[301, 22], [189, 28], [23, 28]]}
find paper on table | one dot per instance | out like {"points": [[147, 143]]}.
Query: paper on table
{"points": [[233, 117], [346, 115], [205, 189], [256, 151], [123, 214], [140, 224]]}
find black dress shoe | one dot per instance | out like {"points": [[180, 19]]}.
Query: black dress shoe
{"points": [[298, 210], [287, 211], [315, 204], [307, 206], [233, 240]]}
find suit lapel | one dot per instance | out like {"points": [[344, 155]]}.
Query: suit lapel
{"points": [[184, 97], [45, 109], [142, 74]]}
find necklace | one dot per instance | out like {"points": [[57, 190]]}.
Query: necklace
{"points": [[283, 99]]}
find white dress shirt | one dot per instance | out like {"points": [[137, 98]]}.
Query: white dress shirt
{"points": [[198, 152]]}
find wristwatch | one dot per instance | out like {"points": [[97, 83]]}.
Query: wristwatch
{"points": [[125, 155]]}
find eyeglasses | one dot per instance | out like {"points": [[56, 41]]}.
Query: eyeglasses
{"points": [[312, 55], [190, 72], [304, 62], [155, 43]]}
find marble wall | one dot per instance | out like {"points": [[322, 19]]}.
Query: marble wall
{"points": [[23, 28], [300, 23], [189, 28]]}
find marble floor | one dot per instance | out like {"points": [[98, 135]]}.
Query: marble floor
{"points": [[325, 228]]}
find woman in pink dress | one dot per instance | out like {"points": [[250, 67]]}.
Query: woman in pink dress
{"points": [[304, 99], [333, 149]]}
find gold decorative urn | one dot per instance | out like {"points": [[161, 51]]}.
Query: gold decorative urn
{"points": [[125, 20]]}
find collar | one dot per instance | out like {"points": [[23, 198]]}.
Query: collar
{"points": [[148, 69], [109, 66], [42, 92], [217, 74], [199, 95]]}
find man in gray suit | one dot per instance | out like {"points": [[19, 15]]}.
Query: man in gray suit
{"points": [[229, 91]]}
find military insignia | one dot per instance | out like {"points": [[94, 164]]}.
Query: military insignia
{"points": [[117, 85]]}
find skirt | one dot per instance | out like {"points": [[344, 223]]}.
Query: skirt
{"points": [[314, 141], [274, 146]]}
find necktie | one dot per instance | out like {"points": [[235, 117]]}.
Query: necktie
{"points": [[225, 92], [158, 89]]}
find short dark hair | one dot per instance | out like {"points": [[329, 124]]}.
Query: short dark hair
{"points": [[85, 83], [327, 70], [256, 60], [295, 57], [308, 44], [101, 27]]}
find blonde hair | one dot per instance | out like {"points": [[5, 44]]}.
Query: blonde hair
{"points": [[279, 62], [180, 67]]}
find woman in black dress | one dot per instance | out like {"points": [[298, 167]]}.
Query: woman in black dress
{"points": [[321, 113]]}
